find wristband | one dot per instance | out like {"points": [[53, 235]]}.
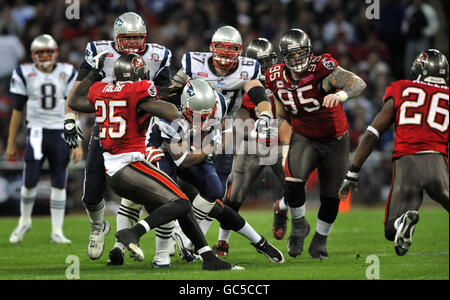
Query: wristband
{"points": [[343, 96], [70, 116], [354, 169], [374, 131]]}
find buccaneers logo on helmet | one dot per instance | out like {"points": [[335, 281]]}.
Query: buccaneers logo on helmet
{"points": [[138, 63], [422, 58]]}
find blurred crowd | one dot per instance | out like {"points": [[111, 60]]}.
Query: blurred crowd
{"points": [[380, 50]]}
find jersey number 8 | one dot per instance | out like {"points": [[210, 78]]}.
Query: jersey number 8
{"points": [[48, 98]]}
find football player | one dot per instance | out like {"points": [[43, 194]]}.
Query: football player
{"points": [[309, 91], [247, 166], [130, 35], [418, 108], [123, 109], [42, 87], [205, 110]]}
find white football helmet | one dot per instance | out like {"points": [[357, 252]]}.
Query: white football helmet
{"points": [[130, 33], [226, 46], [44, 50]]}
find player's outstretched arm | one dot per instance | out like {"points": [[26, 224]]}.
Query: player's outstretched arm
{"points": [[349, 84], [382, 121], [79, 101]]}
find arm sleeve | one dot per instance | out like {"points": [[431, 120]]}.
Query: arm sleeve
{"points": [[19, 101], [163, 76]]}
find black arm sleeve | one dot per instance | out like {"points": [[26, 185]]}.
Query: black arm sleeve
{"points": [[19, 101], [85, 68], [258, 94]]}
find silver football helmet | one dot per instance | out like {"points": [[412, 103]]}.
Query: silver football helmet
{"points": [[296, 50], [130, 33], [44, 50], [226, 46], [262, 50], [198, 102]]}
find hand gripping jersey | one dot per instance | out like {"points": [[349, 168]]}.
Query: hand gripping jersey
{"points": [[421, 117], [199, 65], [303, 100], [46, 92], [156, 56], [122, 127]]}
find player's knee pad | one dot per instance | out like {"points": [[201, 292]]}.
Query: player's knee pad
{"points": [[295, 194], [28, 192], [329, 207], [57, 194]]}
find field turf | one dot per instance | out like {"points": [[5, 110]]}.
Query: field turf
{"points": [[356, 235]]}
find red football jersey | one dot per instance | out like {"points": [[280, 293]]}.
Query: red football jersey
{"points": [[122, 128], [303, 99], [421, 116]]}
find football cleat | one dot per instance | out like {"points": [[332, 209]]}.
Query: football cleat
{"points": [[217, 265], [318, 246], [182, 241], [97, 239], [161, 261], [279, 221], [59, 238], [221, 249], [405, 231], [266, 248], [300, 230], [117, 255], [19, 232], [131, 241]]}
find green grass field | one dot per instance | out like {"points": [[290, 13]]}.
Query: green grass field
{"points": [[356, 235]]}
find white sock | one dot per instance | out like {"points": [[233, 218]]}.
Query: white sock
{"points": [[163, 234], [249, 233], [96, 214], [282, 204], [297, 212], [323, 228], [224, 235], [128, 214], [27, 198], [57, 207], [205, 224], [201, 207]]}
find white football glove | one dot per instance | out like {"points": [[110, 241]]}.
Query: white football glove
{"points": [[350, 182]]}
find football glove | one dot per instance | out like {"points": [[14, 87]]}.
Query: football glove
{"points": [[72, 132], [99, 62], [153, 154], [350, 182], [262, 127]]}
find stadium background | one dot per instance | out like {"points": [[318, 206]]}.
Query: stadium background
{"points": [[379, 50]]}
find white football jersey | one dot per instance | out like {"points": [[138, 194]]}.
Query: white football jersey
{"points": [[195, 65], [46, 93], [156, 56]]}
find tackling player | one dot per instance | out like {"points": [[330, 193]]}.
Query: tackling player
{"points": [[247, 166], [123, 110], [419, 110], [130, 36], [42, 87], [306, 91], [205, 109]]}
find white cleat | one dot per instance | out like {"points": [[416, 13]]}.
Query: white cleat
{"points": [[405, 231], [161, 260], [97, 239], [19, 232], [59, 238]]}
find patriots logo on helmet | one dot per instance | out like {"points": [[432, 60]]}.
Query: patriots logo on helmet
{"points": [[190, 90], [138, 63], [119, 22]]}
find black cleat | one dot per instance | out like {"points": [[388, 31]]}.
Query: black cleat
{"points": [[116, 257], [279, 221], [300, 230], [218, 264], [405, 231], [131, 241], [318, 246], [266, 248]]}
